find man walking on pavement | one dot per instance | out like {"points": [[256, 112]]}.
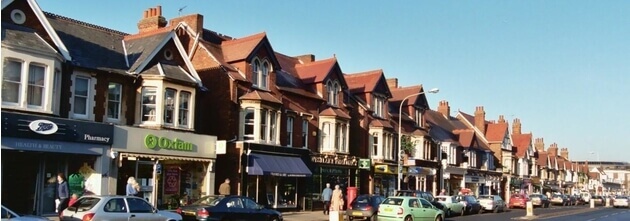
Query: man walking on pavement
{"points": [[326, 196], [224, 188]]}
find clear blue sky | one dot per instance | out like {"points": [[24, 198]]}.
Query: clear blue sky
{"points": [[562, 67]]}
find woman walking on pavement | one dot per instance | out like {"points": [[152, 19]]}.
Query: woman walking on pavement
{"points": [[62, 193], [336, 202]]}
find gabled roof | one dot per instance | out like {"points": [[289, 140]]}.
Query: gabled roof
{"points": [[441, 128], [367, 82], [317, 71], [91, 46], [169, 71], [593, 175], [542, 159], [216, 53], [20, 36], [240, 48], [466, 137], [400, 93], [496, 132], [287, 79], [47, 27], [522, 143]]}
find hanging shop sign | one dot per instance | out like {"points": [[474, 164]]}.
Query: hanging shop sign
{"points": [[151, 141], [171, 180], [365, 164]]}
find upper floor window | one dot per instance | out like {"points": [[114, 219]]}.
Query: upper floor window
{"points": [[81, 96], [326, 132], [333, 90], [290, 131], [260, 73], [114, 95], [27, 92], [334, 136], [260, 124], [249, 124], [506, 144], [379, 106], [304, 133], [375, 138], [418, 118], [171, 108]]}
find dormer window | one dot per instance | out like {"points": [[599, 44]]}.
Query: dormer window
{"points": [[333, 89], [171, 108], [379, 106], [260, 73]]}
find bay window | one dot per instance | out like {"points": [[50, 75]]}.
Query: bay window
{"points": [[249, 124], [149, 110], [184, 108], [334, 136], [114, 95], [260, 124], [30, 82], [375, 148], [169, 106], [263, 124], [326, 138], [272, 126]]}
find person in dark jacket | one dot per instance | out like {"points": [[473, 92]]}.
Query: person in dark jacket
{"points": [[63, 195]]}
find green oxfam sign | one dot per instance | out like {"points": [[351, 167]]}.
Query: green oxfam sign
{"points": [[151, 141]]}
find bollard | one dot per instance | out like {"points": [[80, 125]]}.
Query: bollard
{"points": [[607, 202], [592, 203], [530, 208]]}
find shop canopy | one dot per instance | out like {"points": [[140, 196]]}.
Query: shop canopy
{"points": [[285, 166]]}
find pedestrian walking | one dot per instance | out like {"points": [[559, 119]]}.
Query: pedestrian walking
{"points": [[336, 201], [443, 192], [62, 193], [224, 188], [326, 196]]}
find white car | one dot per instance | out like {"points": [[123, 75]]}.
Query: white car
{"points": [[115, 208], [7, 214], [621, 201], [492, 203]]}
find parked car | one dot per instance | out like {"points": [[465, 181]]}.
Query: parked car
{"points": [[408, 208], [540, 200], [364, 207], [621, 201], [518, 200], [599, 200], [586, 196], [492, 203], [115, 208], [228, 208], [7, 214], [422, 194], [453, 206], [559, 199], [471, 204], [573, 200]]}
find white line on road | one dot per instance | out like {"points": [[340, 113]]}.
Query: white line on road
{"points": [[605, 216], [590, 220]]}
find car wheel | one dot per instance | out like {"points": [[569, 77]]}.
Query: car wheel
{"points": [[438, 218], [373, 217], [408, 218], [274, 218], [495, 210]]}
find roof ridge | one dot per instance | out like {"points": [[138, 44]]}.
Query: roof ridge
{"points": [[219, 34], [315, 62], [377, 71], [246, 38], [90, 25]]}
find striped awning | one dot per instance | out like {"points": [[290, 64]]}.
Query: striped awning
{"points": [[164, 157]]}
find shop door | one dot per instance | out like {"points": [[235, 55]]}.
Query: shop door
{"points": [[18, 181], [144, 176], [47, 181]]}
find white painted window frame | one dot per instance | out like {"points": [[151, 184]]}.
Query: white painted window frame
{"points": [[89, 112], [120, 103]]}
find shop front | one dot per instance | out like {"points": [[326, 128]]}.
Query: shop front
{"points": [[476, 183], [454, 179], [420, 178], [171, 167], [37, 148], [274, 177], [384, 179], [339, 170]]}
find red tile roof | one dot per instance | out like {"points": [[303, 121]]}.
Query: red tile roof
{"points": [[364, 81], [301, 91], [522, 142], [466, 137], [400, 93], [288, 63], [334, 112], [381, 123], [542, 159], [315, 72], [239, 49], [496, 132], [593, 175], [261, 96]]}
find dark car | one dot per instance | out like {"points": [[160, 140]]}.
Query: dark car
{"points": [[228, 208], [424, 195], [539, 200], [364, 207], [471, 204]]}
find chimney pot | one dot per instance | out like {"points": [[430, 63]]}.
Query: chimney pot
{"points": [[145, 14], [159, 10]]}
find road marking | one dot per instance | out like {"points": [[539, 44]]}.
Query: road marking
{"points": [[605, 216], [590, 220]]}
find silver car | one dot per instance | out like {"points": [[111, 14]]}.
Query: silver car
{"points": [[113, 208], [492, 203], [7, 214]]}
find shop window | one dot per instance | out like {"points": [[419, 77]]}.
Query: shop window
{"points": [[114, 95], [148, 104], [290, 131]]}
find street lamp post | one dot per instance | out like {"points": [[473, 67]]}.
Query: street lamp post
{"points": [[400, 150]]}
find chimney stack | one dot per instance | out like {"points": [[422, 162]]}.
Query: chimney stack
{"points": [[480, 119], [392, 83], [307, 58], [564, 152], [151, 20], [501, 119], [553, 149], [194, 21], [444, 109], [539, 144], [516, 127]]}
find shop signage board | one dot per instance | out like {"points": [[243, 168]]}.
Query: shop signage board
{"points": [[163, 142], [152, 142], [334, 160], [365, 164]]}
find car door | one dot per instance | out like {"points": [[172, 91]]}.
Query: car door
{"points": [[115, 209], [253, 210], [140, 210], [427, 210], [236, 210], [415, 209]]}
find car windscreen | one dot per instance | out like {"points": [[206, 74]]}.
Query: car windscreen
{"points": [[208, 201], [84, 204], [393, 201], [362, 199]]}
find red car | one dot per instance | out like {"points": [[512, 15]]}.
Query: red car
{"points": [[518, 200]]}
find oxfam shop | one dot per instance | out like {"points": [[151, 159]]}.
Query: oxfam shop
{"points": [[171, 167]]}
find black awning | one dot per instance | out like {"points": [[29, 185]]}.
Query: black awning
{"points": [[285, 166]]}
